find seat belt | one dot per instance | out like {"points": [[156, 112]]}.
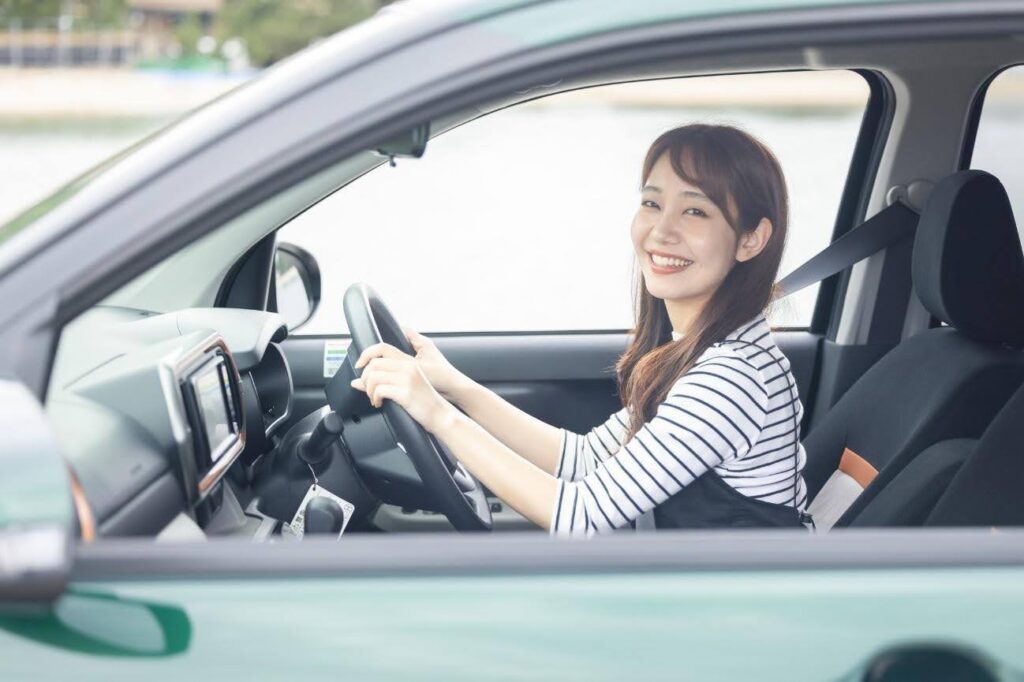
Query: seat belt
{"points": [[891, 225], [645, 522]]}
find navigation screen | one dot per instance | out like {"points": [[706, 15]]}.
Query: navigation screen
{"points": [[213, 408]]}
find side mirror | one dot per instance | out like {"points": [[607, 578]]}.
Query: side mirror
{"points": [[296, 283], [104, 625], [37, 516]]}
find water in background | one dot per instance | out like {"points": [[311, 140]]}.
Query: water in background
{"points": [[37, 157]]}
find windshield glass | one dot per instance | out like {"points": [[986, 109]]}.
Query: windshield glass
{"points": [[76, 138]]}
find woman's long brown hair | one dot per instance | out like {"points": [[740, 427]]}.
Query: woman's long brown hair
{"points": [[744, 179]]}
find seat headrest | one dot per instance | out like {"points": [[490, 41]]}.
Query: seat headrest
{"points": [[968, 269]]}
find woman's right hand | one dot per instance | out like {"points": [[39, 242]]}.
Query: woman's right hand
{"points": [[442, 374]]}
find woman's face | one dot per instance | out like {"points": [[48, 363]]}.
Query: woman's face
{"points": [[676, 220]]}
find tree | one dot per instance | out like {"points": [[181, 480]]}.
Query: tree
{"points": [[29, 11], [274, 29], [92, 14], [188, 32]]}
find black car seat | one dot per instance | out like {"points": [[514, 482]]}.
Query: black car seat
{"points": [[988, 490], [961, 482], [942, 384], [913, 493]]}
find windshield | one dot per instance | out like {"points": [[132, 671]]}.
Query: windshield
{"points": [[37, 210]]}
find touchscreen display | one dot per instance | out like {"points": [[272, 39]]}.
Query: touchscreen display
{"points": [[213, 409]]}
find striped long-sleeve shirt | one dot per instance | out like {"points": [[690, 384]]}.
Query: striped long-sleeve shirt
{"points": [[736, 412]]}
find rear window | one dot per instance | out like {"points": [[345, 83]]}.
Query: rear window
{"points": [[999, 144]]}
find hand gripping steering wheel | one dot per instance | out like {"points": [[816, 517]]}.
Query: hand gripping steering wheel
{"points": [[454, 490]]}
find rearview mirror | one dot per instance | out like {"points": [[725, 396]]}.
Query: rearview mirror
{"points": [[296, 284], [410, 143]]}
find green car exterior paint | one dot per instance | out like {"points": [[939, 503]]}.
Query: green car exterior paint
{"points": [[810, 625]]}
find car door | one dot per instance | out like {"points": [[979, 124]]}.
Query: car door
{"points": [[631, 606]]}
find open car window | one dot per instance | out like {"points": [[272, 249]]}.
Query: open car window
{"points": [[519, 220]]}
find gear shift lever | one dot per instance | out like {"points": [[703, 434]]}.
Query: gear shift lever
{"points": [[315, 449]]}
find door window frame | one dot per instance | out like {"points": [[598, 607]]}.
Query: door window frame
{"points": [[867, 151]]}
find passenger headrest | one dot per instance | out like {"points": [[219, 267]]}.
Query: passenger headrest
{"points": [[968, 268]]}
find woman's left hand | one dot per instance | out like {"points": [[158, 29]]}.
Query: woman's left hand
{"points": [[390, 373]]}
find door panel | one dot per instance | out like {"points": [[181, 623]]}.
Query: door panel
{"points": [[566, 380], [560, 379], [447, 607]]}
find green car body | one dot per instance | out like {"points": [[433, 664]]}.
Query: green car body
{"points": [[765, 625], [769, 606]]}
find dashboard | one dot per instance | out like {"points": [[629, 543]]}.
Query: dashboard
{"points": [[179, 426], [154, 410]]}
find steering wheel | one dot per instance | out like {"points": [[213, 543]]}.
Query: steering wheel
{"points": [[453, 489]]}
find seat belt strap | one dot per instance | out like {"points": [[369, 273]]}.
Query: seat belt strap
{"points": [[890, 225], [645, 522]]}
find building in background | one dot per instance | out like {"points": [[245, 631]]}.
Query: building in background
{"points": [[105, 33]]}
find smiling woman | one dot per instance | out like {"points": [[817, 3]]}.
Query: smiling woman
{"points": [[709, 435]]}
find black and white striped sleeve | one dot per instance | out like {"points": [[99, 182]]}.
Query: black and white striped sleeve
{"points": [[714, 413], [581, 453]]}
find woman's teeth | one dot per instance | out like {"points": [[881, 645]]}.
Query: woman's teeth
{"points": [[663, 262]]}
